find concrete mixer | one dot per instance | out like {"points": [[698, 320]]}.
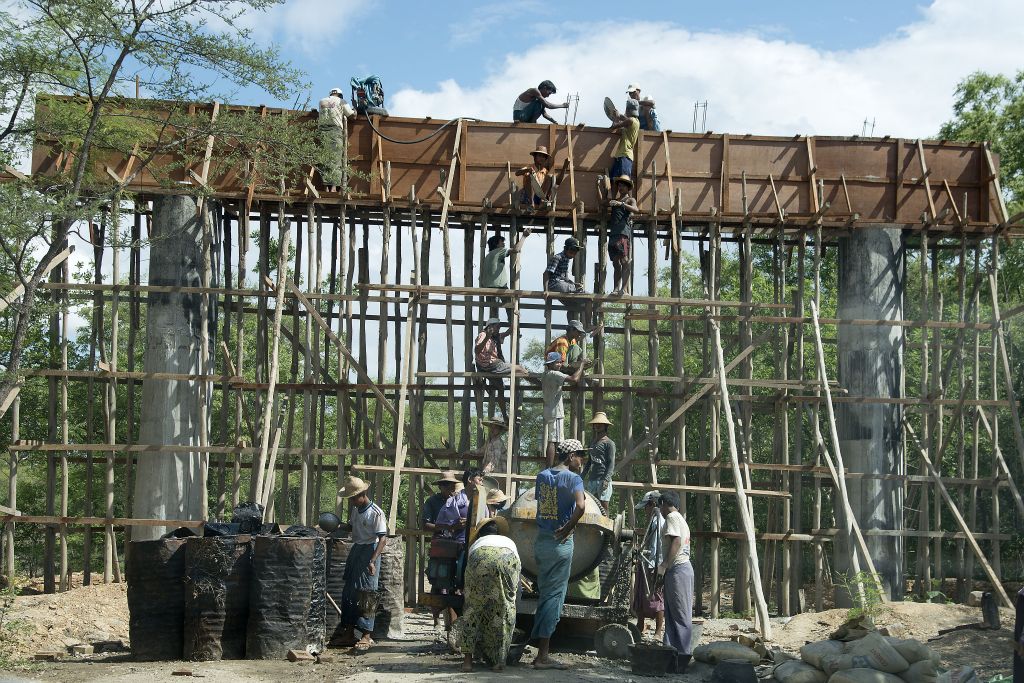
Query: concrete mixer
{"points": [[598, 543]]}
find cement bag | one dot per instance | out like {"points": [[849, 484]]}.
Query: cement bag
{"points": [[872, 652], [712, 653], [861, 675], [964, 674], [813, 653], [795, 671], [921, 672], [913, 650]]}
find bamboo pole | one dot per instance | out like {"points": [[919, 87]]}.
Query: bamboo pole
{"points": [[110, 561], [12, 488], [746, 520], [282, 277], [990, 571]]}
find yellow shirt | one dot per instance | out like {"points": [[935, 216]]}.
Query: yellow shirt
{"points": [[628, 135]]}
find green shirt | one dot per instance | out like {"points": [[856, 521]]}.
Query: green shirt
{"points": [[628, 135], [493, 272]]}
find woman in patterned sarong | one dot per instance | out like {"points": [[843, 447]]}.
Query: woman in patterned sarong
{"points": [[492, 579]]}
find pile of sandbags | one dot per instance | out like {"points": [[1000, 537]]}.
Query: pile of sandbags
{"points": [[872, 658]]}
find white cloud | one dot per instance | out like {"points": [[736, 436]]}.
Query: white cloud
{"points": [[483, 18], [753, 83], [305, 25]]}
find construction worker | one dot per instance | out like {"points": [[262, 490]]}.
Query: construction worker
{"points": [[494, 449], [556, 279], [552, 383], [600, 467], [331, 114], [620, 234], [678, 580], [632, 93], [494, 270], [487, 350], [570, 344], [648, 599], [649, 117], [628, 126], [561, 503], [537, 181], [532, 104], [362, 569]]}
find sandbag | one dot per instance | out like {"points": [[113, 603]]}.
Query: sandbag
{"points": [[814, 653], [390, 619], [795, 671], [854, 629], [286, 598], [871, 651], [155, 572], [963, 674], [217, 574], [921, 672], [912, 650], [862, 675], [712, 653]]}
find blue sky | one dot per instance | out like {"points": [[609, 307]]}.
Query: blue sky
{"points": [[782, 67]]}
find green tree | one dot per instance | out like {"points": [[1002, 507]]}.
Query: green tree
{"points": [[88, 50]]}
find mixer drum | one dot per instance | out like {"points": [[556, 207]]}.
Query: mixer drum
{"points": [[593, 533]]}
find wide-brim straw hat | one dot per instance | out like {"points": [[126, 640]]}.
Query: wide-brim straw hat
{"points": [[353, 487], [624, 179], [498, 521], [448, 478], [495, 422], [496, 496], [541, 149], [600, 418]]}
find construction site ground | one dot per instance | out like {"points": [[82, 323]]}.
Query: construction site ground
{"points": [[100, 613]]}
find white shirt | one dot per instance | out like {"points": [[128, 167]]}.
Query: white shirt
{"points": [[676, 526], [368, 524], [333, 110], [494, 541], [552, 382]]}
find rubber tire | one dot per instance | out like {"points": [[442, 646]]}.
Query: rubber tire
{"points": [[612, 641]]}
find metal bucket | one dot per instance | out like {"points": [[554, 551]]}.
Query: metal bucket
{"points": [[652, 660]]}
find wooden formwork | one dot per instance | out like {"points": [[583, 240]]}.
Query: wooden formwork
{"points": [[359, 356]]}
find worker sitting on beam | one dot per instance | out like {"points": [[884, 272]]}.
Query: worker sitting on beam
{"points": [[556, 279], [537, 180], [533, 103]]}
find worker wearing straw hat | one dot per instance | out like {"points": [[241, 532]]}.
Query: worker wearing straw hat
{"points": [[495, 448], [597, 474], [362, 569], [496, 500], [537, 180]]}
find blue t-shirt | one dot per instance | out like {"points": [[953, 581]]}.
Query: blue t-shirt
{"points": [[556, 497]]}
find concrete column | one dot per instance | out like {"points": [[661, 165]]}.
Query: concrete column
{"points": [[167, 485], [871, 281]]}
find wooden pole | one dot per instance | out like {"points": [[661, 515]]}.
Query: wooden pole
{"points": [[268, 409], [993, 576], [746, 520]]}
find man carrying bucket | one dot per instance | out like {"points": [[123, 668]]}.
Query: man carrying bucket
{"points": [[362, 569]]}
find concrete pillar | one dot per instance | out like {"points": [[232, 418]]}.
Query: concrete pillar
{"points": [[167, 485], [871, 281]]}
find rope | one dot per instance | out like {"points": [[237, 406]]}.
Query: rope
{"points": [[417, 140]]}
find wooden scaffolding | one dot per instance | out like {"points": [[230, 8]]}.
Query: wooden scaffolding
{"points": [[724, 375]]}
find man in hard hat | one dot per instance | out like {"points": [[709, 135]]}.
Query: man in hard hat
{"points": [[632, 93], [561, 503], [533, 104], [331, 114], [362, 568], [600, 467]]}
